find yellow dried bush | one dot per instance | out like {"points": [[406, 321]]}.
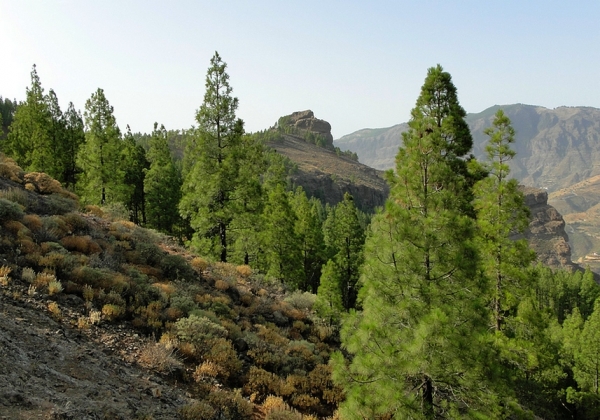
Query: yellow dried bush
{"points": [[221, 285], [94, 210], [206, 370], [244, 270], [88, 293], [112, 312], [199, 264], [43, 279], [10, 170], [55, 310], [33, 222], [45, 184], [159, 358], [54, 287], [83, 244], [167, 288]]}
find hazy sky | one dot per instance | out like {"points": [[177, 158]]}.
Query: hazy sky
{"points": [[356, 64]]}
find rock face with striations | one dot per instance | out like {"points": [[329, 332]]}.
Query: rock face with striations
{"points": [[306, 121], [546, 233]]}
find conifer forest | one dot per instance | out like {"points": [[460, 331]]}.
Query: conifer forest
{"points": [[264, 301]]}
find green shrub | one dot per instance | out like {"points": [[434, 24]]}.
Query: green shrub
{"points": [[301, 300], [197, 411], [183, 302], [176, 267], [197, 330], [16, 195], [57, 204], [10, 210]]}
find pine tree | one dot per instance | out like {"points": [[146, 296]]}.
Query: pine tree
{"points": [[279, 241], [345, 239], [29, 139], [328, 304], [162, 184], [308, 229], [135, 164], [73, 139], [501, 213], [100, 157], [418, 347], [212, 165]]}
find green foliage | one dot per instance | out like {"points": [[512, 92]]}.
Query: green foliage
{"points": [[100, 157], [329, 303], [418, 348], [162, 185], [216, 188], [279, 239], [135, 164], [10, 210], [309, 230], [345, 237], [501, 213], [197, 330]]}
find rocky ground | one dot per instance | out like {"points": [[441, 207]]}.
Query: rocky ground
{"points": [[50, 369]]}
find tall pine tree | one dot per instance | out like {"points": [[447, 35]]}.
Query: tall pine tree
{"points": [[501, 213], [162, 184], [100, 157], [418, 348], [212, 165]]}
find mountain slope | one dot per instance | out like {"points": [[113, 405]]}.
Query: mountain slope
{"points": [[555, 147], [325, 175]]}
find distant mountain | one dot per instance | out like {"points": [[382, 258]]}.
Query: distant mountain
{"points": [[555, 147]]}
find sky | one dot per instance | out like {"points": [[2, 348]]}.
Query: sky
{"points": [[355, 64]]}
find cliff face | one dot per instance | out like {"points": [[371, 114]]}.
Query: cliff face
{"points": [[546, 233]]}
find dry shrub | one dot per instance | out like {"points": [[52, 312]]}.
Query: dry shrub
{"points": [[43, 279], [16, 227], [54, 287], [83, 323], [167, 288], [28, 275], [33, 222], [230, 405], [9, 169], [150, 271], [187, 350], [244, 270], [173, 314], [225, 357], [88, 293], [323, 331], [276, 409], [159, 358], [169, 340], [262, 383], [95, 317], [305, 401], [262, 292], [45, 184], [55, 310], [199, 264], [207, 370], [273, 403], [5, 271], [247, 299], [52, 260], [94, 210], [112, 312], [272, 336], [27, 246], [221, 285], [83, 244]]}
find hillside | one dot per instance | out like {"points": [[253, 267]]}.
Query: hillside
{"points": [[580, 206], [555, 147], [325, 175], [101, 318]]}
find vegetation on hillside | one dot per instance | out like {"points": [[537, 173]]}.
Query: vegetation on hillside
{"points": [[279, 306]]}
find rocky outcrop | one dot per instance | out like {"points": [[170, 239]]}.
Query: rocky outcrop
{"points": [[305, 121], [546, 233]]}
